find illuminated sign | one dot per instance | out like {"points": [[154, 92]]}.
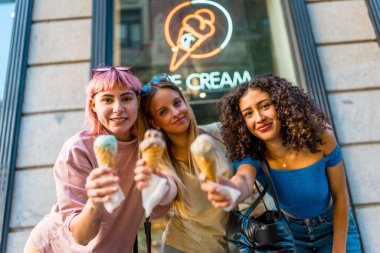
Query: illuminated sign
{"points": [[212, 81], [197, 28]]}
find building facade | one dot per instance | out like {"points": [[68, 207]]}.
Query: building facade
{"points": [[330, 48]]}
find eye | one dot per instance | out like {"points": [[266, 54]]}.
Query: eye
{"points": [[177, 102], [107, 100], [128, 98], [162, 112], [265, 106], [247, 114]]}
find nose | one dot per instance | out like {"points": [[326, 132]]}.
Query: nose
{"points": [[259, 116], [176, 112], [118, 106]]}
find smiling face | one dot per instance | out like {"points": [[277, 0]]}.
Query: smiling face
{"points": [[260, 115], [116, 110], [169, 112]]}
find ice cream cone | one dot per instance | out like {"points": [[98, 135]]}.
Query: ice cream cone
{"points": [[207, 166], [105, 148], [152, 148], [202, 152], [152, 156]]}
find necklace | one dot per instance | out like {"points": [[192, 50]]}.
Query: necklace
{"points": [[286, 159]]}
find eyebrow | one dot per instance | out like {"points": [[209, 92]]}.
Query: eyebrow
{"points": [[123, 94], [264, 100], [258, 104], [164, 107]]}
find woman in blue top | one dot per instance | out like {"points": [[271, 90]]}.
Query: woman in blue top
{"points": [[268, 117]]}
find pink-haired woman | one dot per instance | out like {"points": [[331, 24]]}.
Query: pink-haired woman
{"points": [[78, 222]]}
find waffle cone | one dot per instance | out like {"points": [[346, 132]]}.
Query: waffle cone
{"points": [[105, 158], [152, 156], [206, 165]]}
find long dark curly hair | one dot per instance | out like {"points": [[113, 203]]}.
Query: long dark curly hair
{"points": [[302, 121]]}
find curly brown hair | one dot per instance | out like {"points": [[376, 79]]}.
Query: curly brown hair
{"points": [[302, 121]]}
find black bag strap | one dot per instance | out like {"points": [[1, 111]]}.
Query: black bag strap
{"points": [[136, 246], [257, 201], [148, 237], [265, 167]]}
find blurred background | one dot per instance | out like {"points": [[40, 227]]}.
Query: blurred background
{"points": [[47, 49]]}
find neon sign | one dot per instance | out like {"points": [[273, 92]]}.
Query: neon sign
{"points": [[212, 81], [196, 28]]}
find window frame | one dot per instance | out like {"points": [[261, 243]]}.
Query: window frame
{"points": [[307, 65], [10, 117], [308, 68], [374, 13]]}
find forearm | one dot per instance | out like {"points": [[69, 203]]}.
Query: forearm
{"points": [[244, 186], [172, 192], [340, 225], [85, 226]]}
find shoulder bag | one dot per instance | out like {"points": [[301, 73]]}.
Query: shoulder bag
{"points": [[267, 232]]}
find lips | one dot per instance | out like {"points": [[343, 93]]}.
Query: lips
{"points": [[263, 127], [179, 121], [119, 119]]}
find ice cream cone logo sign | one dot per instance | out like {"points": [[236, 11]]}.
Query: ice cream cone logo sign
{"points": [[197, 28]]}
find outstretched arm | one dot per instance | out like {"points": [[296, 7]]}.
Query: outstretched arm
{"points": [[143, 175], [243, 181], [100, 186]]}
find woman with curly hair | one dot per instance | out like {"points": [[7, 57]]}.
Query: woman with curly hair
{"points": [[270, 118]]}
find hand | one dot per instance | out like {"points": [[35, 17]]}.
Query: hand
{"points": [[215, 194], [101, 184], [143, 174]]}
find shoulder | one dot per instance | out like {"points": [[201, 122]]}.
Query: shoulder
{"points": [[246, 160], [77, 147], [212, 129], [329, 141]]}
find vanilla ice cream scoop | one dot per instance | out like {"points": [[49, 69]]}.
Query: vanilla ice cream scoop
{"points": [[152, 148], [202, 150]]}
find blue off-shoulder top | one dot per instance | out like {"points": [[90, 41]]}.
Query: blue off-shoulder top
{"points": [[304, 192]]}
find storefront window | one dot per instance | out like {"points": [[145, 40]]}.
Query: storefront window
{"points": [[6, 20], [207, 47]]}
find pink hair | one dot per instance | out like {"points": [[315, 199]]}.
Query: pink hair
{"points": [[103, 81]]}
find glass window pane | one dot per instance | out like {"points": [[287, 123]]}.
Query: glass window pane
{"points": [[207, 47], [6, 21]]}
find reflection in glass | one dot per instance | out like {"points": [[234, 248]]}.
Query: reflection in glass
{"points": [[166, 36], [6, 21], [191, 42]]}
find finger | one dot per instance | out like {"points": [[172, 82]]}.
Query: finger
{"points": [[202, 177], [140, 162], [98, 172], [159, 172], [101, 182], [208, 187], [142, 177], [142, 185], [218, 197], [102, 192], [100, 200], [224, 181], [221, 204], [143, 170]]}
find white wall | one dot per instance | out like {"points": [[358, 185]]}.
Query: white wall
{"points": [[58, 71], [350, 59]]}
